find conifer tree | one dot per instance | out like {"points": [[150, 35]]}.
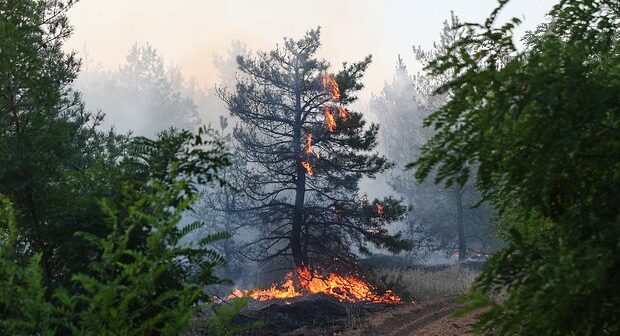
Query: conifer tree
{"points": [[307, 152]]}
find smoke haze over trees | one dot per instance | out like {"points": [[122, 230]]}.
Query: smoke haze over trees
{"points": [[143, 95], [438, 218]]}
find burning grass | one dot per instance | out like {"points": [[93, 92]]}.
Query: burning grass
{"points": [[318, 303], [304, 281]]}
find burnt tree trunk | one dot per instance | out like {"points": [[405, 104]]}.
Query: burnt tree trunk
{"points": [[300, 183], [462, 244]]}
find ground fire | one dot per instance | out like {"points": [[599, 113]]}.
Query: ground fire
{"points": [[348, 288]]}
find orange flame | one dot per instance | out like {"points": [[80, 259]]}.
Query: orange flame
{"points": [[344, 115], [342, 287], [331, 86], [379, 208], [308, 167], [329, 119], [309, 149]]}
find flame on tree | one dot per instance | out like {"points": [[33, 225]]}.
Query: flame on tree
{"points": [[307, 152]]}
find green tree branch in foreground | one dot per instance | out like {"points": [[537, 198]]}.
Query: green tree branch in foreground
{"points": [[542, 126]]}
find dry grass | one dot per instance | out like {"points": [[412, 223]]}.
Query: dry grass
{"points": [[423, 284]]}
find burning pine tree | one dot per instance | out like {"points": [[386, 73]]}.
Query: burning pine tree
{"points": [[307, 152]]}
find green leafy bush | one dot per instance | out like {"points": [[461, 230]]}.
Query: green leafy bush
{"points": [[152, 289], [24, 309], [90, 235], [540, 130]]}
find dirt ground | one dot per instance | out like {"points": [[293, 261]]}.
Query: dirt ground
{"points": [[325, 316], [420, 319]]}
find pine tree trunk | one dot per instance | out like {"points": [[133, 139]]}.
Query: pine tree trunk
{"points": [[410, 218], [300, 185], [228, 253], [458, 195]]}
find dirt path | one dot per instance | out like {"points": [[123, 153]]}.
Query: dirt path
{"points": [[424, 318]]}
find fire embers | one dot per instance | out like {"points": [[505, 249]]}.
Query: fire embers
{"points": [[350, 288], [310, 153], [379, 208], [344, 115], [308, 147], [330, 111], [331, 87], [330, 121], [308, 167]]}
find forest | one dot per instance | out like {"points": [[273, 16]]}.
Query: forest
{"points": [[475, 190]]}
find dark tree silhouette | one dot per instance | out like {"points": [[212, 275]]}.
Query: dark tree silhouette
{"points": [[306, 153]]}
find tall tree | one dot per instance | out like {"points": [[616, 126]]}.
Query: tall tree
{"points": [[461, 198], [540, 129], [306, 155], [45, 134]]}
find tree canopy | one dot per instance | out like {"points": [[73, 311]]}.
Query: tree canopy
{"points": [[539, 128]]}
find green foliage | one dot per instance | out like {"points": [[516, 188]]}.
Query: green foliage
{"points": [[540, 129], [45, 134], [55, 165], [194, 156], [24, 309], [90, 233], [144, 290], [147, 290]]}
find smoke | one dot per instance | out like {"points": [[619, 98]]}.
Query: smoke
{"points": [[189, 33], [145, 88]]}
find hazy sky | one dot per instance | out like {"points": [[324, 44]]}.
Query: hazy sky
{"points": [[189, 32]]}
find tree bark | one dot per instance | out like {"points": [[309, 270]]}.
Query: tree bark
{"points": [[458, 195], [300, 183]]}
